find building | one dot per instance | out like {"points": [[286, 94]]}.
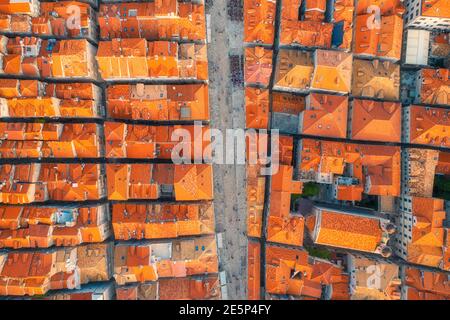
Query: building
{"points": [[258, 65], [256, 108], [424, 285], [136, 58], [259, 20], [379, 33], [161, 221], [152, 261], [350, 169], [55, 19], [373, 279], [417, 47], [35, 99], [350, 230], [325, 115], [433, 86], [35, 182], [332, 71], [28, 7], [376, 79], [42, 227], [158, 102], [153, 181], [284, 225], [254, 271], [187, 288], [158, 20], [423, 236], [156, 142], [427, 14], [293, 274], [303, 24], [375, 120], [294, 70], [36, 272], [426, 126], [49, 140]]}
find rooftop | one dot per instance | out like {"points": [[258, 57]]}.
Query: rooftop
{"points": [[137, 58], [332, 71], [153, 181], [348, 230], [35, 273], [376, 79], [291, 272], [161, 221], [259, 19], [258, 65], [157, 20], [179, 258], [376, 120], [429, 126], [158, 102], [42, 227], [434, 86]]}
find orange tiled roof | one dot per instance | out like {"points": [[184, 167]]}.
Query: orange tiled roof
{"points": [[26, 183], [258, 65], [283, 226], [145, 181], [388, 283], [443, 166], [35, 273], [325, 115], [28, 227], [158, 20], [151, 142], [179, 258], [292, 272], [53, 20], [138, 59], [67, 59], [145, 221], [254, 270], [294, 70], [332, 71], [259, 19], [376, 121], [376, 79], [346, 230], [429, 126], [434, 86], [435, 8], [384, 40], [426, 285], [288, 103], [427, 244], [158, 102], [190, 288], [20, 7], [30, 98], [376, 169], [388, 7], [49, 140], [185, 288], [313, 31], [255, 200], [30, 56], [256, 108]]}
